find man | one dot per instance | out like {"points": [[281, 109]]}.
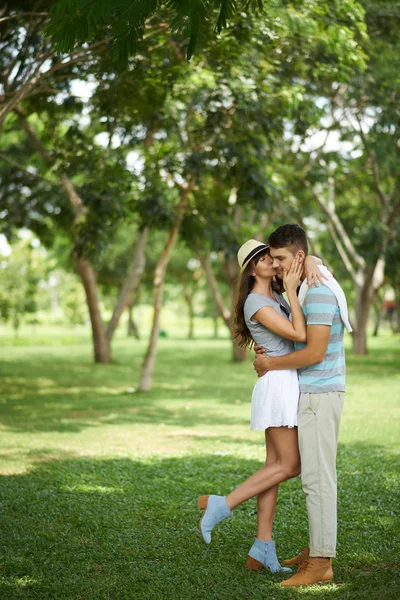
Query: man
{"points": [[321, 365]]}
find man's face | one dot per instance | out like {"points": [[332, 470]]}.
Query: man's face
{"points": [[283, 258]]}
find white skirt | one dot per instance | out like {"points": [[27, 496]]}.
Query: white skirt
{"points": [[275, 400]]}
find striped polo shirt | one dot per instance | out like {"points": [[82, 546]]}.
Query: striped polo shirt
{"points": [[321, 307]]}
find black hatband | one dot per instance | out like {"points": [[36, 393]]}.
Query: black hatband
{"points": [[253, 253]]}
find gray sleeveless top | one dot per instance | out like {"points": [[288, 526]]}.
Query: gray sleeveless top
{"points": [[274, 344]]}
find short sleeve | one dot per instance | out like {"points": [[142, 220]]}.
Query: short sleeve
{"points": [[253, 304], [320, 306]]}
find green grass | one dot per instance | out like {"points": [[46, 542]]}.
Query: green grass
{"points": [[99, 483]]}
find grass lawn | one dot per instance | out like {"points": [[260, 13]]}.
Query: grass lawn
{"points": [[99, 483]]}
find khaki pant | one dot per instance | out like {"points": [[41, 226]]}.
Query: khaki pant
{"points": [[318, 429]]}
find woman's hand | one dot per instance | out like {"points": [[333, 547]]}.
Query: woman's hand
{"points": [[259, 350], [291, 278], [313, 274]]}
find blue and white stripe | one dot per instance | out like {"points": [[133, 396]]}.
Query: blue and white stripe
{"points": [[321, 307]]}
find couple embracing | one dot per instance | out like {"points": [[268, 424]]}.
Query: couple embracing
{"points": [[297, 400]]}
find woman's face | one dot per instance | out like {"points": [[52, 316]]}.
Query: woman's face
{"points": [[264, 267]]}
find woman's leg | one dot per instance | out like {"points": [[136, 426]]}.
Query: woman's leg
{"points": [[266, 501], [287, 465]]}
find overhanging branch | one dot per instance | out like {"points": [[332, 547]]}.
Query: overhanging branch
{"points": [[329, 209]]}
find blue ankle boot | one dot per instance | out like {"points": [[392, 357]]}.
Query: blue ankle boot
{"points": [[215, 510], [263, 555]]}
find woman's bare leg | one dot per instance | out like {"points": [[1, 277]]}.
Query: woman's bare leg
{"points": [[287, 465], [266, 501]]}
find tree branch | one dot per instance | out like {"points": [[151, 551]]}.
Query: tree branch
{"points": [[14, 163], [131, 282], [342, 251], [189, 136], [33, 136], [37, 76], [318, 152], [26, 14], [329, 209], [375, 169], [76, 202], [23, 91], [213, 285]]}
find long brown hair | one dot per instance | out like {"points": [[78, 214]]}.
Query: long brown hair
{"points": [[244, 286]]}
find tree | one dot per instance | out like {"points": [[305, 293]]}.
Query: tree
{"points": [[202, 130], [392, 274], [185, 281], [353, 186], [20, 273], [77, 22], [158, 286], [97, 206], [70, 160], [367, 114], [30, 67]]}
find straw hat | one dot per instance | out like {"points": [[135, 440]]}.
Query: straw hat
{"points": [[249, 251]]}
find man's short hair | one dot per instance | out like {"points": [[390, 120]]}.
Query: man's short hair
{"points": [[289, 235]]}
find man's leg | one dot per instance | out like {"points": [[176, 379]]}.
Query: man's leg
{"points": [[319, 419]]}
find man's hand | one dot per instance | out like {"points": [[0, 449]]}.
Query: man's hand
{"points": [[261, 365]]}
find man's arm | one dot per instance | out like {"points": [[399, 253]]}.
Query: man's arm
{"points": [[312, 354]]}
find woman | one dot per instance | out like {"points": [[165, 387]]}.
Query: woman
{"points": [[262, 316]]}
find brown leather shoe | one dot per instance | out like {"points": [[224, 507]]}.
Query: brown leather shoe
{"points": [[299, 559], [313, 570]]}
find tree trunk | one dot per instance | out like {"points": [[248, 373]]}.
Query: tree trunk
{"points": [[395, 320], [232, 272], [159, 276], [131, 282], [16, 324], [378, 318], [367, 278], [101, 345], [369, 283], [190, 334], [239, 354], [378, 315], [231, 268], [101, 338], [360, 341], [190, 305], [215, 293], [133, 330], [361, 319], [150, 358], [215, 321]]}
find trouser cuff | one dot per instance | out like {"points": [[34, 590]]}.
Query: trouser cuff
{"points": [[322, 553]]}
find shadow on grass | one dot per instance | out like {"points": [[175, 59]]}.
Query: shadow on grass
{"points": [[195, 384], [65, 396], [95, 529], [65, 414]]}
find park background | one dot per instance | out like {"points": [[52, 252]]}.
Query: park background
{"points": [[140, 145]]}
